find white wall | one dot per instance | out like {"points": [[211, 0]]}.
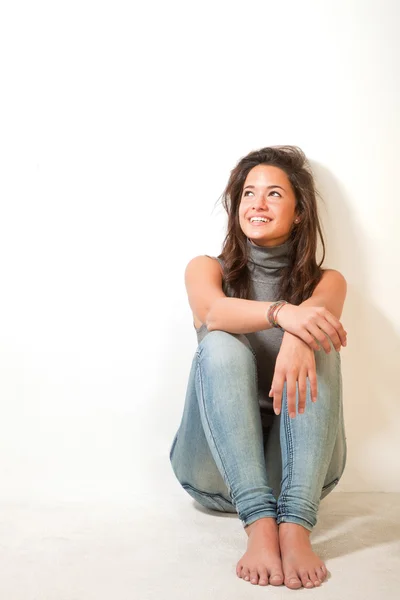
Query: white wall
{"points": [[119, 126]]}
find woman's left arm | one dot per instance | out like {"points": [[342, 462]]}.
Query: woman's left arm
{"points": [[330, 292], [295, 360]]}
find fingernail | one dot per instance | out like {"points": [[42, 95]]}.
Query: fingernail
{"points": [[301, 410], [277, 411]]}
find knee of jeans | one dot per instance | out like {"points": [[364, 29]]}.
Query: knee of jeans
{"points": [[328, 362], [228, 348]]}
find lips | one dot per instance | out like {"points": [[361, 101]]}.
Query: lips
{"points": [[260, 217]]}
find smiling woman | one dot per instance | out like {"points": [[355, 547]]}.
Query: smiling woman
{"points": [[279, 208], [263, 310]]}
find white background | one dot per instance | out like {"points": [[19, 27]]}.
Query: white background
{"points": [[119, 125]]}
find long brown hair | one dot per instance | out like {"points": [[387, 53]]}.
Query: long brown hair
{"points": [[299, 278]]}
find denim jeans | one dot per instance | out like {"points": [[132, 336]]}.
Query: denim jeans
{"points": [[224, 458]]}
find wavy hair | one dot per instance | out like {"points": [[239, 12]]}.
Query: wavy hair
{"points": [[297, 280]]}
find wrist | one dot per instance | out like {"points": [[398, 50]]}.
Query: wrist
{"points": [[276, 314], [273, 310], [293, 340], [291, 336]]}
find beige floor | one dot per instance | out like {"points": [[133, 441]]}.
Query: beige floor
{"points": [[170, 547]]}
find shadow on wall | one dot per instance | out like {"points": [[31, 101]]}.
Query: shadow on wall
{"points": [[372, 357]]}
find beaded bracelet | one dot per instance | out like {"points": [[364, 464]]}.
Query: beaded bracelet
{"points": [[276, 315], [275, 308], [273, 311]]}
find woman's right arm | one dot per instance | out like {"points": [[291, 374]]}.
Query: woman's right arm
{"points": [[203, 280]]}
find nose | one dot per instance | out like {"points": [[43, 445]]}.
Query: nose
{"points": [[260, 202]]}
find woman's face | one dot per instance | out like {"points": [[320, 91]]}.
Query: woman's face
{"points": [[267, 192]]}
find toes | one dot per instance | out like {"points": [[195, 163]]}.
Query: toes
{"points": [[292, 581], [254, 576], [239, 570], [315, 578], [320, 574], [276, 578], [263, 577], [245, 574], [305, 580]]}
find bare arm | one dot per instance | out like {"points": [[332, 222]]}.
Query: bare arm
{"points": [[237, 315], [330, 293]]}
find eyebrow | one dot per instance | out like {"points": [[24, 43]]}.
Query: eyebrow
{"points": [[268, 187]]}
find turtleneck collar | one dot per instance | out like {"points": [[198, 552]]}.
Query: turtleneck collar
{"points": [[271, 257]]}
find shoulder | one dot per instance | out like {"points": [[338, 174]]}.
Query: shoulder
{"points": [[204, 261], [333, 282], [333, 275]]}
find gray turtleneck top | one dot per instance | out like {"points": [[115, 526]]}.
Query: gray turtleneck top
{"points": [[264, 264]]}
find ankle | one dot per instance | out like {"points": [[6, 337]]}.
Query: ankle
{"points": [[293, 528], [263, 522]]}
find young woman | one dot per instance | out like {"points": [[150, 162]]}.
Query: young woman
{"points": [[269, 339]]}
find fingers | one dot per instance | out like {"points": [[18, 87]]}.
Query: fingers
{"points": [[320, 335], [312, 378], [333, 328], [331, 332], [277, 390], [340, 331], [309, 339], [291, 379], [302, 387], [322, 328]]}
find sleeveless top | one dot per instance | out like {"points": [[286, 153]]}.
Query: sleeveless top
{"points": [[264, 264]]}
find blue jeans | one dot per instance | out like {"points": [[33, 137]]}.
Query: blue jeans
{"points": [[224, 458]]}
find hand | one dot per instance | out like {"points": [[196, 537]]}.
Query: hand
{"points": [[294, 363], [309, 322]]}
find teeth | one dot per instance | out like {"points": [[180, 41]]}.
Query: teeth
{"points": [[259, 219]]}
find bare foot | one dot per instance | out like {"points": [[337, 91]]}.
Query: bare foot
{"points": [[261, 563], [301, 566]]}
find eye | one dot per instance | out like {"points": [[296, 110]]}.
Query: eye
{"points": [[250, 192]]}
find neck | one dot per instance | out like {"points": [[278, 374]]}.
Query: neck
{"points": [[270, 257]]}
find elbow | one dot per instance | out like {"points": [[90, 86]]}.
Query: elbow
{"points": [[212, 315], [210, 323]]}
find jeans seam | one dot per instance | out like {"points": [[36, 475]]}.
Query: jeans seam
{"points": [[208, 494], [334, 481], [341, 412], [198, 352], [289, 445], [173, 446], [198, 370]]}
